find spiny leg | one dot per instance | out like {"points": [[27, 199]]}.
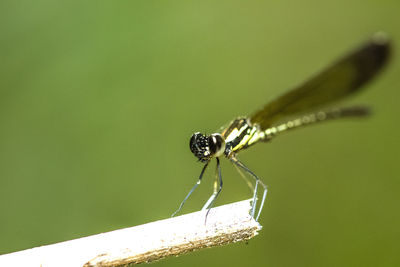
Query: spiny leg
{"points": [[246, 179], [217, 190], [191, 191], [258, 181], [238, 164]]}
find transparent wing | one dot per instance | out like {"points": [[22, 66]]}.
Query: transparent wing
{"points": [[343, 78]]}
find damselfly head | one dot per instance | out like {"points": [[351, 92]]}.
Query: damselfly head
{"points": [[206, 147]]}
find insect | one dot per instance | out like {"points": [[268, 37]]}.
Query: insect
{"points": [[302, 106]]}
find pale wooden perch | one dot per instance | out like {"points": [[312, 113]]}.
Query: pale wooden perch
{"points": [[147, 242]]}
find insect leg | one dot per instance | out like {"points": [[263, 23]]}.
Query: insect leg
{"points": [[212, 197], [191, 191], [246, 179], [258, 181], [217, 190]]}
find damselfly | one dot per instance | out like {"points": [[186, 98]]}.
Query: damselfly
{"points": [[299, 107]]}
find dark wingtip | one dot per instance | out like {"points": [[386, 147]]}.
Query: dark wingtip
{"points": [[372, 58], [381, 44]]}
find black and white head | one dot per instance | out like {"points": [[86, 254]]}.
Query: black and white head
{"points": [[206, 147]]}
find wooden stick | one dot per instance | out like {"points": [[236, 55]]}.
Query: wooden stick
{"points": [[147, 242]]}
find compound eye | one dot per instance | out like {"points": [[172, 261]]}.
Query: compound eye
{"points": [[217, 144], [200, 147], [193, 141]]}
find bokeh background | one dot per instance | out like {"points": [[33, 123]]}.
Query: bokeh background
{"points": [[98, 101]]}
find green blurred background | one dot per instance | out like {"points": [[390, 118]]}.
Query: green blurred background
{"points": [[98, 101]]}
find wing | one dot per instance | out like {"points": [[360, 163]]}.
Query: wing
{"points": [[343, 78]]}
